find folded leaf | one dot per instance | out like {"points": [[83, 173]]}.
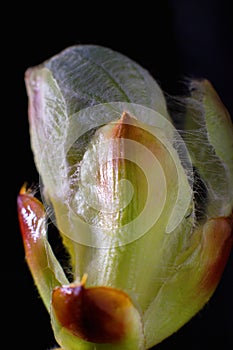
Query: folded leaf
{"points": [[79, 77], [209, 138]]}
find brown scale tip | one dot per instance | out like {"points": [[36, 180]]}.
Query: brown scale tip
{"points": [[96, 314], [30, 213], [125, 126]]}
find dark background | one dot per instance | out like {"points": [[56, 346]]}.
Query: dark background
{"points": [[173, 40]]}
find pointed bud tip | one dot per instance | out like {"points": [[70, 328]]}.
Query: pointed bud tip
{"points": [[126, 118], [126, 127]]}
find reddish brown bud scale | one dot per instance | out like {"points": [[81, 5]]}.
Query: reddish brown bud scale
{"points": [[97, 314], [217, 245], [30, 213]]}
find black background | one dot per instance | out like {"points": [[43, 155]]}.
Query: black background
{"points": [[173, 40]]}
